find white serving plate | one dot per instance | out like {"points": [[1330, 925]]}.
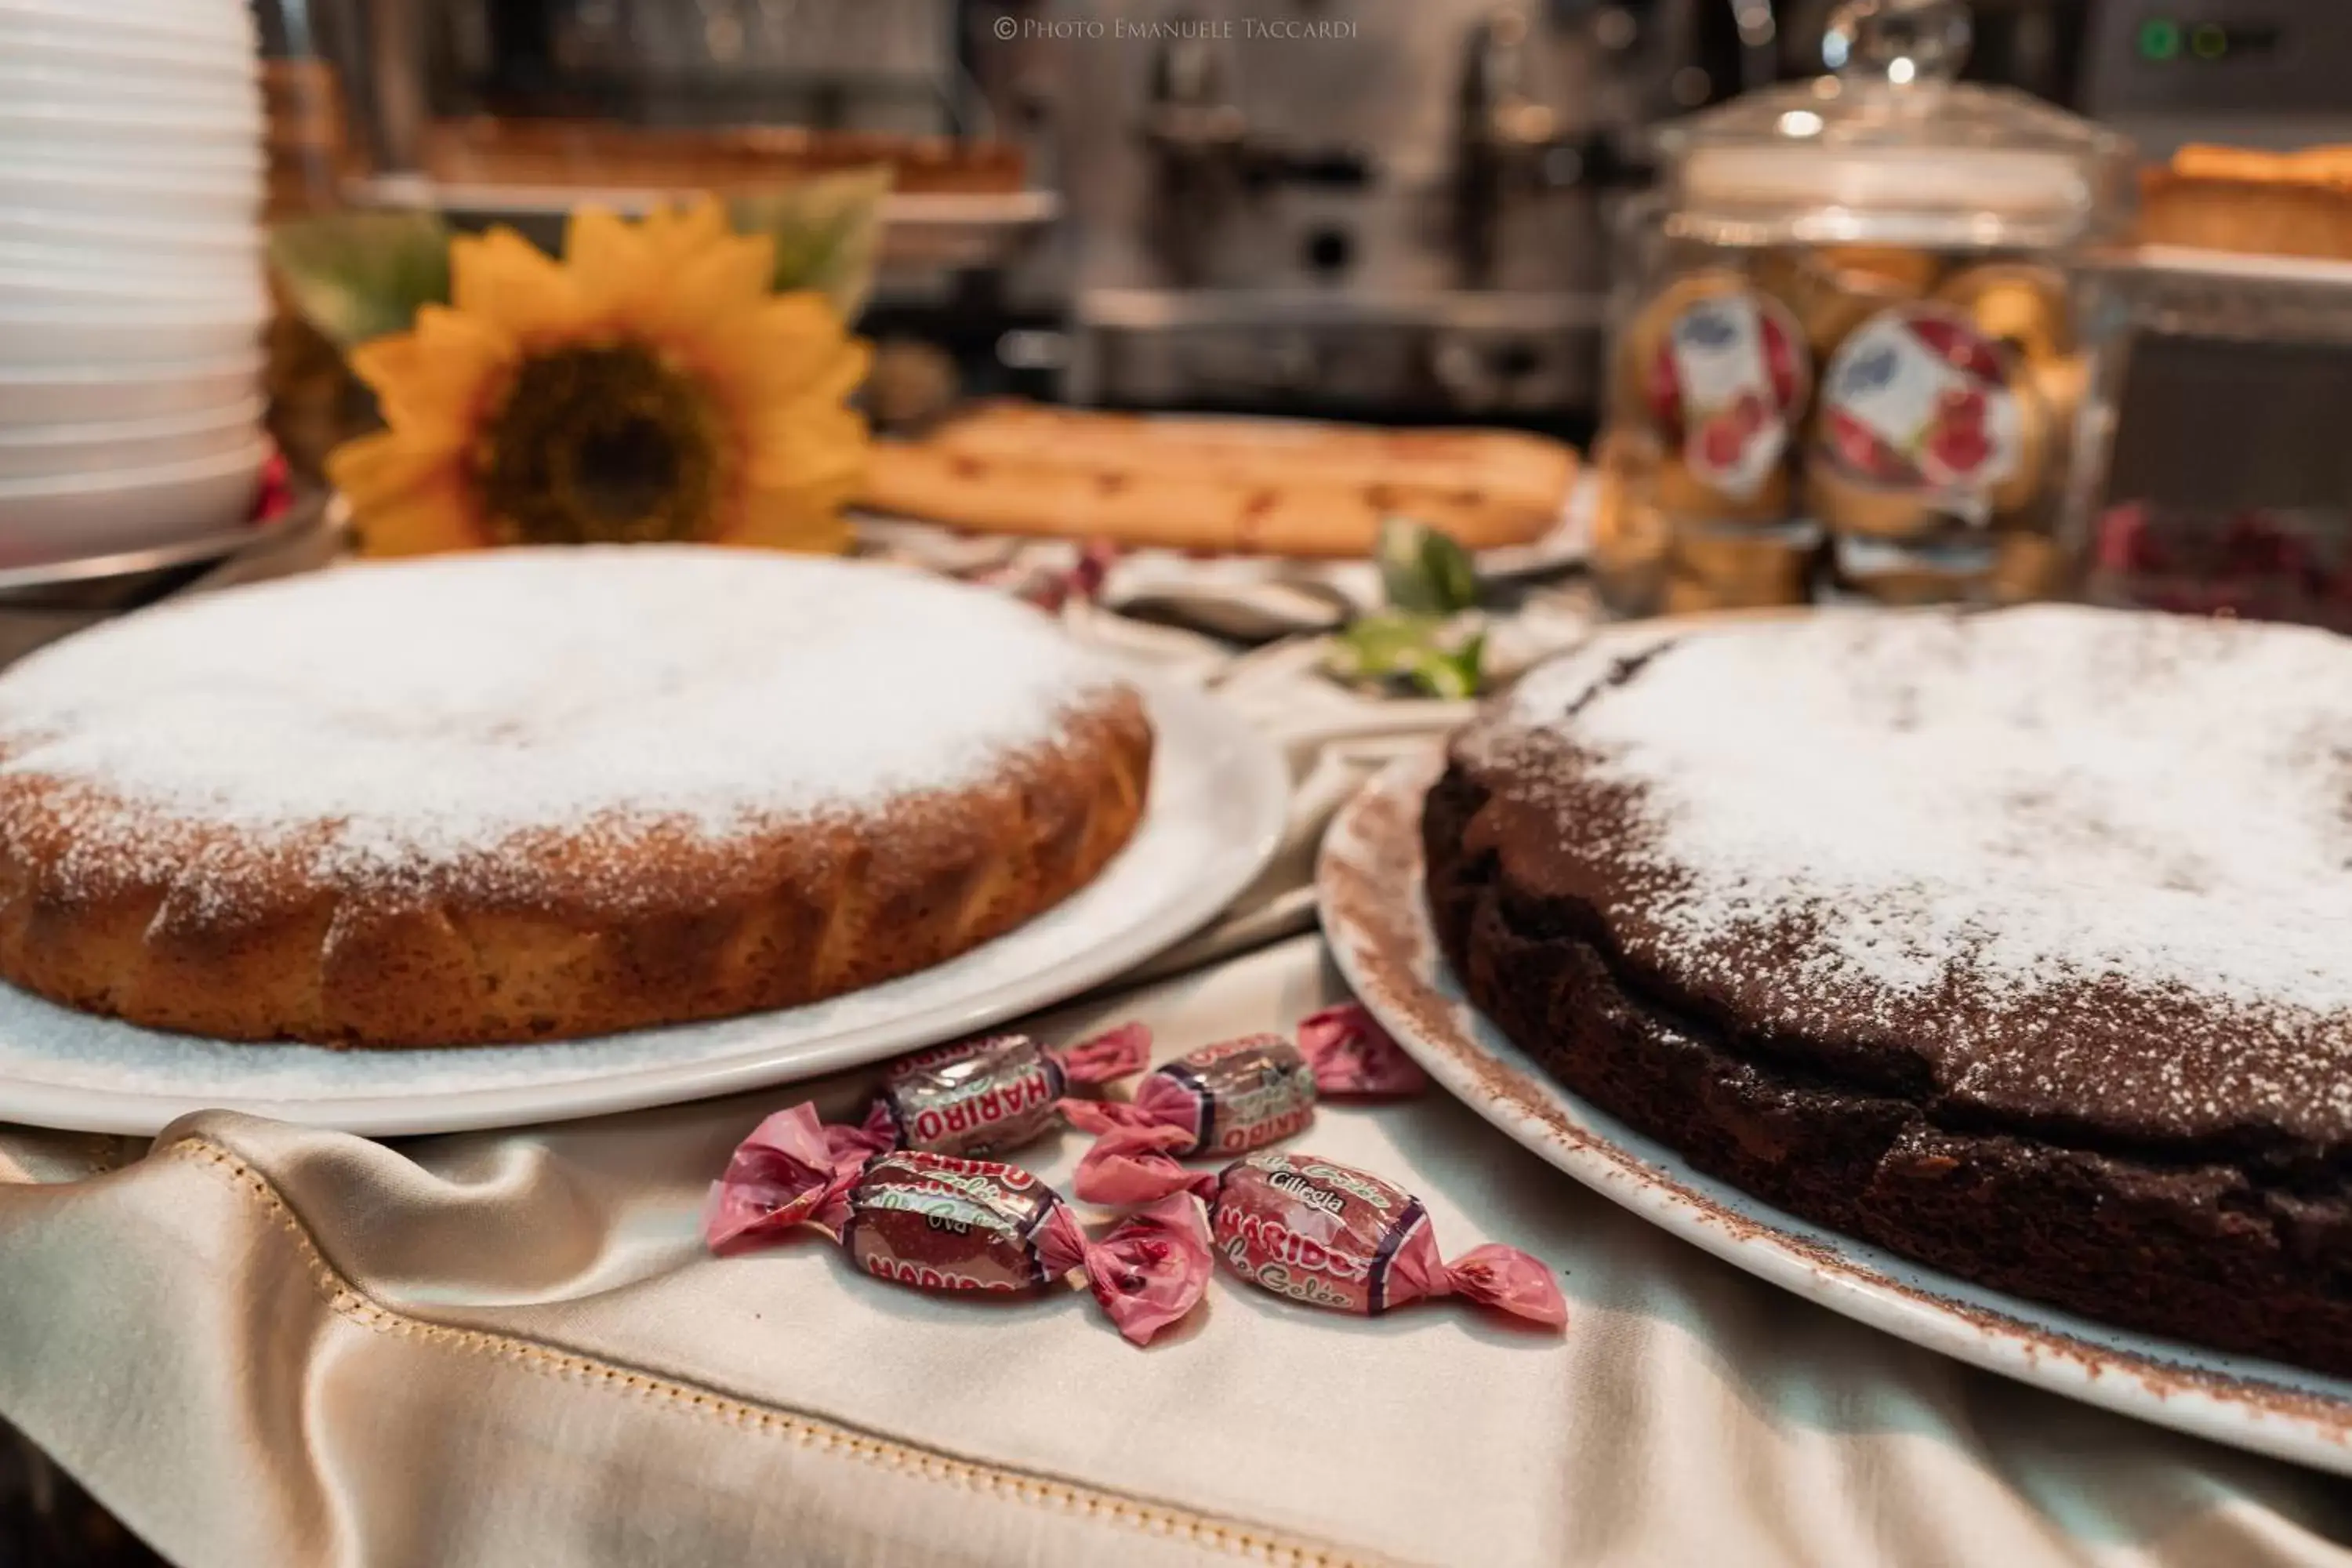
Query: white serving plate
{"points": [[1219, 795], [51, 519], [84, 393], [1369, 882], [61, 451], [114, 335]]}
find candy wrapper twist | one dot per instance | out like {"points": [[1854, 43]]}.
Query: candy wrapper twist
{"points": [[938, 1222], [1331, 1236], [1229, 1098]]}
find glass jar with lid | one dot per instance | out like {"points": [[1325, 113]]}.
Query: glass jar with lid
{"points": [[1845, 355]]}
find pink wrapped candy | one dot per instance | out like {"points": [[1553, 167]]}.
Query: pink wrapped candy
{"points": [[1330, 1235], [939, 1223], [995, 1092], [989, 1093], [1230, 1098]]}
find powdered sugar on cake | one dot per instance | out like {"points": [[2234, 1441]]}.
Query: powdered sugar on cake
{"points": [[384, 718], [1982, 812]]}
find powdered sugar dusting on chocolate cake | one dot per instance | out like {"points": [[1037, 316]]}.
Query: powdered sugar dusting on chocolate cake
{"points": [[382, 719], [1914, 819]]}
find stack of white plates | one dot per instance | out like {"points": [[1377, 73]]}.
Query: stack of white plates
{"points": [[132, 295]]}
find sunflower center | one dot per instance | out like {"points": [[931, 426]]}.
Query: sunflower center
{"points": [[599, 444]]}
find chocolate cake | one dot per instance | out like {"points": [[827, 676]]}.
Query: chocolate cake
{"points": [[2020, 943]]}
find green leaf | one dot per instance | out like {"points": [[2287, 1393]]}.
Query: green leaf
{"points": [[1401, 646], [828, 233], [362, 275], [1452, 676], [1424, 570], [1379, 645]]}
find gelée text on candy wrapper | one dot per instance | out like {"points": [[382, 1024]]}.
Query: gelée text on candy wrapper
{"points": [[1279, 1280], [942, 1210]]}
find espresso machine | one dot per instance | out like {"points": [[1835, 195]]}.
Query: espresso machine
{"points": [[1388, 207]]}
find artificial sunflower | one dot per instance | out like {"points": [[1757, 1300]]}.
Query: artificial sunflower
{"points": [[648, 387]]}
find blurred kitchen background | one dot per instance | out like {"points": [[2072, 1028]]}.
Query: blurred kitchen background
{"points": [[1407, 221], [1393, 212]]}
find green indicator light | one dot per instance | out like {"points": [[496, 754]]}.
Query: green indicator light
{"points": [[2208, 42], [2159, 38]]}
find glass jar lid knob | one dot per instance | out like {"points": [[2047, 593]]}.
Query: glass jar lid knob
{"points": [[1899, 41]]}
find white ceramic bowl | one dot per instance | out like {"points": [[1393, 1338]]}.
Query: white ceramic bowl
{"points": [[137, 266], [233, 243], [44, 520], [124, 335], [201, 18], [47, 186], [155, 154], [86, 394], [97, 87], [65, 451], [220, 292], [187, 24], [56, 122], [127, 55], [204, 165]]}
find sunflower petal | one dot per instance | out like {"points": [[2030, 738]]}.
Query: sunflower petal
{"points": [[780, 351], [692, 225], [610, 260], [441, 517], [373, 469], [703, 300], [833, 380], [432, 382], [404, 501], [827, 448], [507, 282], [786, 522]]}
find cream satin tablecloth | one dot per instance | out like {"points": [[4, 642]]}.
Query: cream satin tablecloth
{"points": [[258, 1344]]}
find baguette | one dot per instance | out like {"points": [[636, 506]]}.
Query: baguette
{"points": [[1173, 509], [1225, 485]]}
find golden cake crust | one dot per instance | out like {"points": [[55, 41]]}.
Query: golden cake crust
{"points": [[189, 920], [705, 930]]}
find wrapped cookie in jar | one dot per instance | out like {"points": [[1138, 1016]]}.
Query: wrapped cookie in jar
{"points": [[1713, 376], [1851, 331]]}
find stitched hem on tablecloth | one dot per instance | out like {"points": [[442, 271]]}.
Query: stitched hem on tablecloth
{"points": [[805, 1431]]}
